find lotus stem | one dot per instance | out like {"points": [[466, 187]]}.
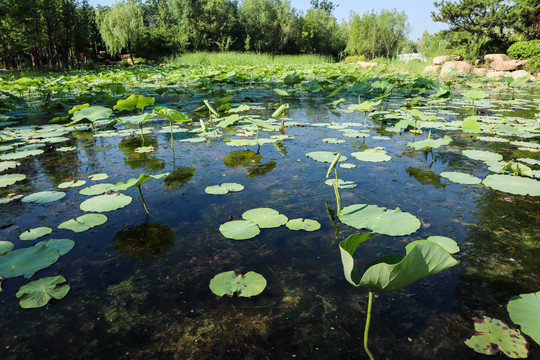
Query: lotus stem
{"points": [[172, 138], [338, 199], [143, 202], [366, 329]]}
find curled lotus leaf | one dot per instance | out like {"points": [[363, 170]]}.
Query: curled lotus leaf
{"points": [[265, 217], [492, 336], [10, 179], [324, 156], [516, 185], [43, 197], [84, 222], [524, 311], [239, 230], [303, 224], [460, 178], [27, 261], [380, 220], [37, 293], [223, 188], [63, 246], [104, 203], [35, 233], [5, 247], [372, 155], [229, 283]]}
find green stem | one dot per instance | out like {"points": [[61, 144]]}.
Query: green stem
{"points": [[366, 329], [143, 202], [338, 199], [172, 144]]}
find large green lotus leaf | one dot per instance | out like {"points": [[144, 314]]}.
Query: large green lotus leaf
{"points": [[524, 311], [20, 154], [27, 261], [121, 185], [516, 185], [365, 106], [37, 293], [91, 113], [492, 336], [475, 94], [470, 124], [72, 183], [5, 247], [98, 177], [372, 155], [136, 119], [63, 246], [239, 230], [228, 121], [342, 184], [35, 233], [430, 143], [134, 102], [104, 203], [265, 217], [173, 115], [4, 165], [324, 156], [461, 178], [228, 283], [448, 244], [10, 179], [223, 188], [84, 222], [303, 224], [482, 155], [43, 197], [97, 189], [393, 272], [379, 219]]}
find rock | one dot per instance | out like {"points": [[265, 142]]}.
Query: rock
{"points": [[463, 67], [522, 73], [439, 60], [478, 62], [480, 71], [366, 64], [496, 57], [508, 65], [433, 69], [496, 74]]}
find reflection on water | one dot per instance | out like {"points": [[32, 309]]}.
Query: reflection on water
{"points": [[141, 160], [144, 240]]}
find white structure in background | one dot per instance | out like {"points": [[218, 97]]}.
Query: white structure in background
{"points": [[409, 57]]}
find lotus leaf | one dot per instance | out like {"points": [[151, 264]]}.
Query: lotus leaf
{"points": [[104, 203], [43, 197], [333, 141], [228, 283], [513, 184], [10, 179], [5, 247], [241, 108], [37, 293], [448, 244], [239, 230], [73, 183], [482, 155], [98, 177], [121, 185], [66, 148], [492, 336], [97, 189], [229, 121], [10, 197], [347, 166], [430, 143], [342, 184], [63, 246], [4, 165], [461, 178], [280, 110], [172, 115], [372, 155], [91, 114], [475, 94], [84, 222], [27, 261], [393, 272], [223, 188], [35, 233], [324, 156], [524, 311], [303, 224], [20, 154], [471, 124], [529, 161], [265, 217], [379, 219], [281, 92], [134, 102]]}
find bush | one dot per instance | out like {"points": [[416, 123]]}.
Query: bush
{"points": [[124, 62], [354, 59], [524, 49], [534, 65]]}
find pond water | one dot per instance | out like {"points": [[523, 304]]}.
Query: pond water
{"points": [[139, 284]]}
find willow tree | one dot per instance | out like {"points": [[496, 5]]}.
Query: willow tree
{"points": [[120, 25]]}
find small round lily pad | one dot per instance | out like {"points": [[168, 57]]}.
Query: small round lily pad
{"points": [[84, 222], [27, 261], [10, 179], [104, 203], [372, 155], [98, 177], [265, 217], [324, 156], [228, 283], [61, 245], [35, 233], [482, 155], [5, 247], [461, 178], [43, 197], [223, 188], [303, 224], [4, 165], [72, 183], [516, 185], [97, 189], [239, 230], [37, 293]]}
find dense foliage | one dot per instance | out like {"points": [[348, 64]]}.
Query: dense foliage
{"points": [[524, 49]]}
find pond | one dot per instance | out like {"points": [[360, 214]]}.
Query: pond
{"points": [[139, 271]]}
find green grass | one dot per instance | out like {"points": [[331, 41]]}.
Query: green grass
{"points": [[246, 58], [411, 67]]}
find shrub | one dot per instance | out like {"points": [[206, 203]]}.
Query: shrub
{"points": [[354, 59], [124, 62], [524, 49], [534, 65]]}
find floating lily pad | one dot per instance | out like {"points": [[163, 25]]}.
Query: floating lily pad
{"points": [[324, 156], [529, 161], [265, 217], [239, 230], [10, 197], [104, 203], [430, 143], [37, 293], [228, 283], [516, 185], [4, 165], [524, 311], [5, 247], [63, 246], [347, 166], [27, 261], [380, 220], [20, 154], [97, 189], [492, 336], [482, 155], [66, 148], [461, 178], [342, 184], [10, 179], [372, 155], [98, 177], [223, 188], [72, 183], [35, 233], [84, 222], [303, 224], [43, 197], [333, 141]]}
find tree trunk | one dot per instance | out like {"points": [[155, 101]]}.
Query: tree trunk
{"points": [[130, 53]]}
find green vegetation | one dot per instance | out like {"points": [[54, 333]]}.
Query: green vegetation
{"points": [[232, 58]]}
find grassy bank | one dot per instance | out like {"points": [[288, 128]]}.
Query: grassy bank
{"points": [[239, 58]]}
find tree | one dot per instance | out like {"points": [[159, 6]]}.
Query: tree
{"points": [[321, 34], [527, 16], [120, 26], [325, 5]]}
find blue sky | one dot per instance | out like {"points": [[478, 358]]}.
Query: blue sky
{"points": [[418, 11]]}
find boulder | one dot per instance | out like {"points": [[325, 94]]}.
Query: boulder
{"points": [[508, 65], [432, 69], [522, 73], [496, 57], [439, 60], [366, 64], [478, 62], [496, 74], [480, 71], [463, 67]]}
